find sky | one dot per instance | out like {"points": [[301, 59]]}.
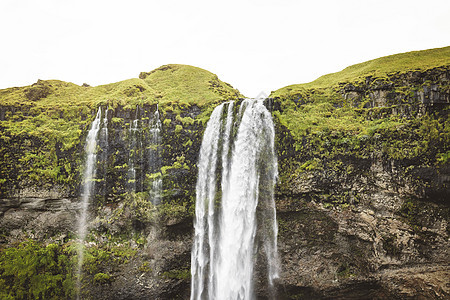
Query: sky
{"points": [[257, 46]]}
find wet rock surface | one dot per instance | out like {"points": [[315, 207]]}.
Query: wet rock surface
{"points": [[373, 228]]}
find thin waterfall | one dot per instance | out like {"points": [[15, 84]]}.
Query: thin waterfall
{"points": [[105, 127], [154, 125], [104, 151], [134, 141], [230, 219], [88, 185]]}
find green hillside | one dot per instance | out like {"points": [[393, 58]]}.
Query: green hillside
{"points": [[56, 114], [169, 83], [393, 106], [191, 84], [52, 109], [380, 67]]}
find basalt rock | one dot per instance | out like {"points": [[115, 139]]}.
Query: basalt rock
{"points": [[357, 227]]}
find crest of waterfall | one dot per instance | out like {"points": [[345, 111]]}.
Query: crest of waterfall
{"points": [[87, 188], [154, 159], [234, 204], [105, 128], [104, 150]]}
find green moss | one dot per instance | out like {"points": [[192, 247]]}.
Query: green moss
{"points": [[187, 84], [185, 120], [183, 274], [312, 164], [345, 271], [56, 116], [324, 126], [35, 271], [167, 122], [138, 208], [102, 278], [176, 210], [110, 254], [116, 120], [410, 213], [443, 158], [380, 67], [145, 267], [178, 129], [188, 143], [180, 163]]}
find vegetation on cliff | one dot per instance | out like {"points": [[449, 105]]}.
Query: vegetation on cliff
{"points": [[34, 271], [45, 122], [382, 67], [394, 108], [373, 138]]}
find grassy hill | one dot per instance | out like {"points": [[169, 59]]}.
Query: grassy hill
{"points": [[51, 116], [169, 83], [380, 67], [52, 109], [344, 115]]}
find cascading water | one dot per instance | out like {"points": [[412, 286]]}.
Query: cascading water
{"points": [[227, 223], [87, 190], [133, 132], [154, 125], [102, 155]]}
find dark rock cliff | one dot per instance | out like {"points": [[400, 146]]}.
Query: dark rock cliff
{"points": [[358, 224], [361, 215]]}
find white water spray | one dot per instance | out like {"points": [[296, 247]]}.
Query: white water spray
{"points": [[154, 156], [87, 191], [227, 224], [133, 154]]}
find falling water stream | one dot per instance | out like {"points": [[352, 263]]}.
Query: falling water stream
{"points": [[154, 159], [234, 205], [97, 137], [87, 191], [134, 152]]}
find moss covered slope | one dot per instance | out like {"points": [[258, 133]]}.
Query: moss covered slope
{"points": [[193, 85], [393, 109], [380, 67], [42, 126], [169, 83]]}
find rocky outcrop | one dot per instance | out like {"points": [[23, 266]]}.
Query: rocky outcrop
{"points": [[357, 224], [405, 93]]}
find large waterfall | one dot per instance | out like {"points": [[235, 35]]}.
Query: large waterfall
{"points": [[235, 206], [87, 189]]}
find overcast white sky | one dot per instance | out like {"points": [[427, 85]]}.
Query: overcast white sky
{"points": [[255, 45]]}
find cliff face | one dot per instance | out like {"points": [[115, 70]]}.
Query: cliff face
{"points": [[362, 195], [363, 212]]}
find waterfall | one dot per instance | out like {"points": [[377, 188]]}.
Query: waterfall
{"points": [[102, 155], [237, 155], [105, 127], [154, 125], [87, 190], [134, 150]]}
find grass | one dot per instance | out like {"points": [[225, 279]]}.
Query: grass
{"points": [[380, 67], [317, 110], [164, 85], [188, 84], [325, 127], [55, 115]]}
